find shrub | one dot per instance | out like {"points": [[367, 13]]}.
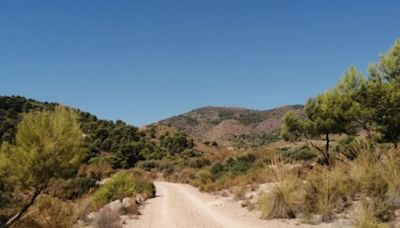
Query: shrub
{"points": [[328, 190], [186, 175], [177, 143], [120, 186], [390, 171], [300, 154], [284, 200], [378, 178], [49, 212], [250, 118], [367, 218], [190, 153], [349, 147], [217, 169], [146, 165], [257, 176], [240, 164], [145, 188], [367, 174], [97, 169], [165, 166], [198, 163], [204, 176], [72, 188], [286, 197]]}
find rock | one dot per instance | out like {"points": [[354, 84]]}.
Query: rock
{"points": [[102, 182], [80, 223], [130, 206], [115, 206], [91, 216], [139, 198], [111, 212], [107, 217], [128, 202], [397, 213]]}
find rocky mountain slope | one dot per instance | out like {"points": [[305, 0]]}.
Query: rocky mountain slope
{"points": [[232, 127]]}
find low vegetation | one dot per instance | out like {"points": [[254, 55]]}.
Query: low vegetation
{"points": [[287, 195], [46, 176], [122, 185], [118, 187]]}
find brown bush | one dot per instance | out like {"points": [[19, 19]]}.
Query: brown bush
{"points": [[50, 212], [329, 189], [368, 218], [97, 170]]}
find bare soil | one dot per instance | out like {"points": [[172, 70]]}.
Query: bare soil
{"points": [[182, 206]]}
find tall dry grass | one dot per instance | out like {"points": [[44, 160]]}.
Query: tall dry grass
{"points": [[286, 197], [329, 190]]}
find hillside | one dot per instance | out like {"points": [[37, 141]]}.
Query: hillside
{"points": [[232, 127], [122, 145]]}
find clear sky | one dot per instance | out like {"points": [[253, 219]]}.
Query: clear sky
{"points": [[142, 61]]}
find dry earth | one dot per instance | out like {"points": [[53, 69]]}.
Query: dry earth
{"points": [[183, 206]]}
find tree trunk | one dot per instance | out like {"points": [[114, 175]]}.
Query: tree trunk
{"points": [[326, 154], [16, 217]]}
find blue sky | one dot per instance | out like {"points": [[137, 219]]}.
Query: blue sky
{"points": [[142, 61]]}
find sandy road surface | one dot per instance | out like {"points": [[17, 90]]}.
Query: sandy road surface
{"points": [[183, 206]]}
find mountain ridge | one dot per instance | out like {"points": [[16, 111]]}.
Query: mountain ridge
{"points": [[231, 126]]}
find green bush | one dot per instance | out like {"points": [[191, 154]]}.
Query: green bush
{"points": [[146, 188], [177, 143], [146, 165], [251, 118], [121, 185], [198, 163], [240, 164], [299, 154], [217, 169], [165, 166], [190, 153], [204, 176]]}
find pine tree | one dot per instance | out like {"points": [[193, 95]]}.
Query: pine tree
{"points": [[48, 145]]}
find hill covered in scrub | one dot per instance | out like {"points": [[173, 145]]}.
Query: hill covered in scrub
{"points": [[116, 142], [229, 126]]}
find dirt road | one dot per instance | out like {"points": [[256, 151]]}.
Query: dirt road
{"points": [[183, 206]]}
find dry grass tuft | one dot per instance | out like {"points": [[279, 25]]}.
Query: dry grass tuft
{"points": [[49, 212], [367, 218], [366, 173], [286, 198], [390, 172], [328, 191]]}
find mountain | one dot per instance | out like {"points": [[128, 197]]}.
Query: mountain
{"points": [[231, 126], [225, 126]]}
